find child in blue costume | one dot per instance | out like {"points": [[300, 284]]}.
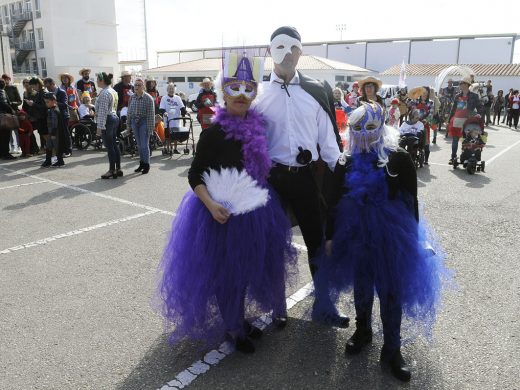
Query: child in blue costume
{"points": [[375, 238]]}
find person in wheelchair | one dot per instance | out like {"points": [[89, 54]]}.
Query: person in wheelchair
{"points": [[474, 140], [412, 134], [86, 109]]}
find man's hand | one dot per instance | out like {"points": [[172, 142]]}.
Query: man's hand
{"points": [[98, 132]]}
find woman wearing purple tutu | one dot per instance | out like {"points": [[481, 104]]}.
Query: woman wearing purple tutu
{"points": [[230, 243], [377, 241]]}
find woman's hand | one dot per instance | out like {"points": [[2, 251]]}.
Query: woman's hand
{"points": [[218, 212]]}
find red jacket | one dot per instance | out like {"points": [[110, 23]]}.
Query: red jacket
{"points": [[25, 127]]}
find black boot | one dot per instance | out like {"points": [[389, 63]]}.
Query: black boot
{"points": [[393, 360], [48, 159], [252, 331], [146, 168], [140, 167], [361, 337]]}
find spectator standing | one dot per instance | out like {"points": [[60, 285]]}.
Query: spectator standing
{"points": [[498, 104], [171, 107], [72, 95], [141, 120], [151, 89], [514, 104], [506, 106], [12, 93], [107, 123], [28, 94], [7, 127], [124, 90], [62, 102], [205, 103], [58, 133], [36, 108], [369, 87], [85, 84]]}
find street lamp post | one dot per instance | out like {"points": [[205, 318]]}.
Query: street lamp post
{"points": [[341, 27]]}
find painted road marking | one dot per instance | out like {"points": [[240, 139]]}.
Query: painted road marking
{"points": [[79, 189], [21, 185], [184, 378], [101, 225], [501, 153]]}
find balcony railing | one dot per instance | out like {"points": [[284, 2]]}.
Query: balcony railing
{"points": [[21, 16], [24, 44]]}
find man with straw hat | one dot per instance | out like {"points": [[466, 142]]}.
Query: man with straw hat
{"points": [[67, 84], [85, 84]]}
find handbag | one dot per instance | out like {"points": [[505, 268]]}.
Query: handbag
{"points": [[8, 122]]}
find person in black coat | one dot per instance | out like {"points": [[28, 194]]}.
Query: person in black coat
{"points": [[36, 108], [5, 131]]}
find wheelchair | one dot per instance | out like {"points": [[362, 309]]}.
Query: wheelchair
{"points": [[413, 144], [83, 134]]}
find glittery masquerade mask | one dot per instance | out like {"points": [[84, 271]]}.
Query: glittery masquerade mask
{"points": [[281, 45], [366, 126], [241, 75]]}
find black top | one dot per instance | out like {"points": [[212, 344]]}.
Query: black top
{"points": [[399, 163], [215, 152]]}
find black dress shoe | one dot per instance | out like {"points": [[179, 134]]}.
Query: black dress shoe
{"points": [[395, 362], [244, 345], [140, 167], [8, 156], [280, 322], [146, 169], [360, 338], [252, 331], [119, 172], [331, 317]]}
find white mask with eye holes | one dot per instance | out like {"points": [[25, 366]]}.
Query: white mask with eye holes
{"points": [[282, 45]]}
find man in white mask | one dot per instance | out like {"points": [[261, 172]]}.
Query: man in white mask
{"points": [[303, 144]]}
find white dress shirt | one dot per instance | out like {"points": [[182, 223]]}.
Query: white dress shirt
{"points": [[295, 120]]}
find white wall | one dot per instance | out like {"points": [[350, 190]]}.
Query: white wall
{"points": [[383, 55], [190, 56], [96, 49], [315, 50], [485, 51], [130, 29], [434, 52], [353, 54]]}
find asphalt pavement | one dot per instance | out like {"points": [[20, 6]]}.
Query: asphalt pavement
{"points": [[78, 272]]}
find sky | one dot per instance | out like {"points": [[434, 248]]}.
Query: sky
{"points": [[189, 24]]}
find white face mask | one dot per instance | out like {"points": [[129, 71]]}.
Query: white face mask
{"points": [[281, 45]]}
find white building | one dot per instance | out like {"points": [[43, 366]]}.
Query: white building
{"points": [[48, 37], [188, 75], [502, 76]]}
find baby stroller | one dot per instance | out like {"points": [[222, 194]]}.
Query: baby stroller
{"points": [[183, 135], [475, 139], [413, 144]]}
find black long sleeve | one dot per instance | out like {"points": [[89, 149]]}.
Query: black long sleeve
{"points": [[214, 152]]}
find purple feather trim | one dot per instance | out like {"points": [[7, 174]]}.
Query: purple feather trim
{"points": [[250, 131]]}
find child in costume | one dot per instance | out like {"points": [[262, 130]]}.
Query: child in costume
{"points": [[394, 114], [230, 243], [26, 131], [377, 239]]}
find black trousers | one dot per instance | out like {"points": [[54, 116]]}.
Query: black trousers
{"points": [[299, 192]]}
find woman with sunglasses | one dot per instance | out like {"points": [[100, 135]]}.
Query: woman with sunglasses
{"points": [[230, 240]]}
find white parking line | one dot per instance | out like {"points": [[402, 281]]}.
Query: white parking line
{"points": [[44, 241], [21, 185], [215, 356], [501, 153], [79, 189]]}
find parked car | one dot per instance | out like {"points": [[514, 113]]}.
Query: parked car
{"points": [[191, 102]]}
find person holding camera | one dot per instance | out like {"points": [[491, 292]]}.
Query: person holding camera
{"points": [[303, 144]]}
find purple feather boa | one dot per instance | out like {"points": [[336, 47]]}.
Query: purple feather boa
{"points": [[250, 131]]}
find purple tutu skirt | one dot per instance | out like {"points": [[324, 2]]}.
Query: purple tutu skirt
{"points": [[213, 275]]}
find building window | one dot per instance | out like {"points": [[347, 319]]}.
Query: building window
{"points": [[40, 38], [28, 5], [195, 79], [339, 78], [34, 66], [176, 79], [20, 7], [44, 67], [6, 15], [38, 13], [31, 35], [27, 67]]}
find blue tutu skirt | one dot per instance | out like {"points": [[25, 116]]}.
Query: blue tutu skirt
{"points": [[209, 271], [397, 254]]}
